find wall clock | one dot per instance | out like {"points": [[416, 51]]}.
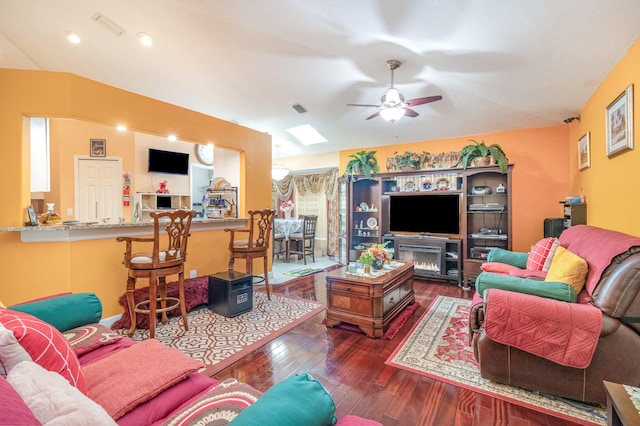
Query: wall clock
{"points": [[204, 154]]}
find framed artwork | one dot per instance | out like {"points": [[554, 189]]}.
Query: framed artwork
{"points": [[98, 147], [33, 220], [584, 152], [619, 116]]}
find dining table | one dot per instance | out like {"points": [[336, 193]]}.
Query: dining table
{"points": [[287, 227]]}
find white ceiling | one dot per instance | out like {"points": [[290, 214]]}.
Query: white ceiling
{"points": [[499, 64]]}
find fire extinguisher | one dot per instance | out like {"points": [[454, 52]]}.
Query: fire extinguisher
{"points": [[125, 196]]}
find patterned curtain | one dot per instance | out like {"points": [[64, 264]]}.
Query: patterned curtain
{"points": [[314, 183]]}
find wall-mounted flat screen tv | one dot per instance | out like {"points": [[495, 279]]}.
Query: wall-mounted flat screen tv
{"points": [[168, 162], [425, 214]]}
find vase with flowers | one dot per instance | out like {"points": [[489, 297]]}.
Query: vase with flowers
{"points": [[375, 256], [410, 160], [287, 208]]}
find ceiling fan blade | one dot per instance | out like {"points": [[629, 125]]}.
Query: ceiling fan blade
{"points": [[425, 100], [373, 116], [365, 105], [410, 113]]}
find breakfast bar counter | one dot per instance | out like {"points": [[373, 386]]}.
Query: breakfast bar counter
{"points": [[95, 231]]}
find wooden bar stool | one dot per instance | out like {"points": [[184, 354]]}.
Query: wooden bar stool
{"points": [[156, 265]]}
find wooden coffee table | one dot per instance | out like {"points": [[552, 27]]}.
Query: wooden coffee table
{"points": [[620, 408], [368, 302]]}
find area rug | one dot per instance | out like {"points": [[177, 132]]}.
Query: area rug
{"points": [[307, 270], [438, 347], [218, 341]]}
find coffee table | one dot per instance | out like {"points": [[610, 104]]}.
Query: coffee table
{"points": [[368, 302]]}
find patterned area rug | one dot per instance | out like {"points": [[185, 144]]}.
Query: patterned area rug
{"points": [[438, 347], [218, 341]]}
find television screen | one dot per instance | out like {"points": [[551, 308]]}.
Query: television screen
{"points": [[427, 214], [168, 162]]}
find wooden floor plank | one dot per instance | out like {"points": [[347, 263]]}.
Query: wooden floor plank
{"points": [[351, 368]]}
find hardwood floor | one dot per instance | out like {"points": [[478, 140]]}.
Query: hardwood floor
{"points": [[351, 367]]}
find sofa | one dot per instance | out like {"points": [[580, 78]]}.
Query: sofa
{"points": [[562, 330], [60, 366]]}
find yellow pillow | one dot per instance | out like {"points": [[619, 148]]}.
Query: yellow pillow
{"points": [[2, 304], [568, 268]]}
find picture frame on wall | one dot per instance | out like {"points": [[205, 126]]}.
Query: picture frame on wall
{"points": [[584, 152], [619, 123], [98, 148]]}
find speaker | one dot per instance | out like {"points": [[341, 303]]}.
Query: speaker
{"points": [[553, 227]]}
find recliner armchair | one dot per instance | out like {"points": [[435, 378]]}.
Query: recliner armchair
{"points": [[563, 348]]}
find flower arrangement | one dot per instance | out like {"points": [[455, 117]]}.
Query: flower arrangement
{"points": [[375, 255], [413, 160], [286, 207]]}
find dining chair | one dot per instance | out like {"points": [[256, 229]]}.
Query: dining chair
{"points": [[280, 246], [166, 257], [298, 241], [253, 242]]}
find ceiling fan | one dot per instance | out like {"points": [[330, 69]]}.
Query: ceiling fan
{"points": [[393, 106]]}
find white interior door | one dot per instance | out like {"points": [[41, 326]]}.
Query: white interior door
{"points": [[98, 189]]}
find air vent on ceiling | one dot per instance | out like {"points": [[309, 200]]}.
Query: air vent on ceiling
{"points": [[299, 108], [108, 24]]}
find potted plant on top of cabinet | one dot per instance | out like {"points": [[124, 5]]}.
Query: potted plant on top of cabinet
{"points": [[479, 150], [364, 162]]}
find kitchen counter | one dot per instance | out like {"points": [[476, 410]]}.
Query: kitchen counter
{"points": [[86, 231]]}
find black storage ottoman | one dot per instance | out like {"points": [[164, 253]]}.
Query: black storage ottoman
{"points": [[230, 293]]}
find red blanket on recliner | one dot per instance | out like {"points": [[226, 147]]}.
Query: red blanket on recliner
{"points": [[597, 246], [565, 333]]}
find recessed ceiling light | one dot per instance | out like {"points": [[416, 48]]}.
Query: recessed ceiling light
{"points": [[172, 138], [121, 127], [145, 39], [307, 135], [73, 37]]}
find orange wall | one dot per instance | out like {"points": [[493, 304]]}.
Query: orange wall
{"points": [[611, 185], [540, 177], [33, 270]]}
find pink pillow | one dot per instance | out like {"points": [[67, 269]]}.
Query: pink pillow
{"points": [[24, 337], [500, 268], [539, 253], [13, 408]]}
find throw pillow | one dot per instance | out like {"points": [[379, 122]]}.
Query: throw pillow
{"points": [[89, 337], [569, 268], [539, 253], [79, 309], [296, 401], [552, 252], [2, 304], [133, 376], [24, 337], [217, 407], [53, 400], [14, 410]]}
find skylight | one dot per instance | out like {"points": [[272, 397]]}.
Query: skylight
{"points": [[307, 135]]}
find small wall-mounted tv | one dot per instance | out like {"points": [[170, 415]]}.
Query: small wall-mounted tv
{"points": [[436, 213], [168, 162]]}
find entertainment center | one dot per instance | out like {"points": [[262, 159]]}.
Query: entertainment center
{"points": [[444, 220]]}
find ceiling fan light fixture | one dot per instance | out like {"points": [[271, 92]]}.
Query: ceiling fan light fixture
{"points": [[392, 114], [392, 97]]}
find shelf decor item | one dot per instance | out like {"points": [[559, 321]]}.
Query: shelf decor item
{"points": [[410, 160], [364, 162], [479, 154], [375, 256], [620, 123]]}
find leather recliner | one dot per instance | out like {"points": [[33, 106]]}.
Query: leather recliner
{"points": [[616, 294]]}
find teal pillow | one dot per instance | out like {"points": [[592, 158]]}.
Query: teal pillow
{"points": [[65, 312], [296, 401], [515, 258], [548, 289]]}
